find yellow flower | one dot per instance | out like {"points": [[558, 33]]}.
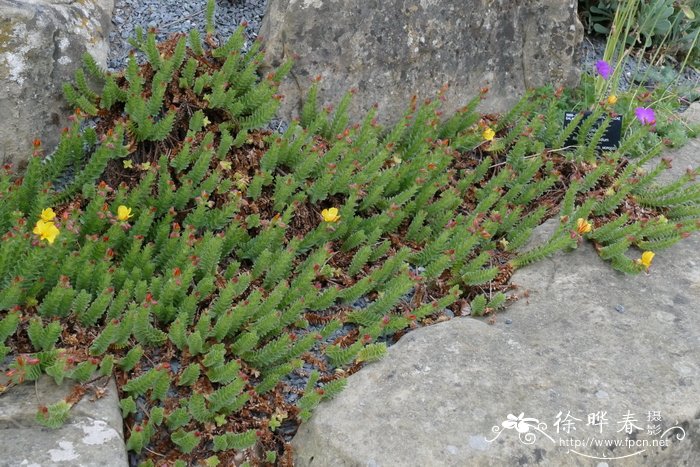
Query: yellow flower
{"points": [[330, 215], [488, 134], [612, 99], [582, 226], [145, 166], [128, 164], [646, 259], [206, 122], [47, 215], [39, 227], [46, 230], [123, 213]]}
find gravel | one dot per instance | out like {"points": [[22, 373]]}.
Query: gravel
{"points": [[174, 16]]}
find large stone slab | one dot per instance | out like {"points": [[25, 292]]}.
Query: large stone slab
{"points": [[587, 358], [91, 437], [41, 45], [391, 49]]}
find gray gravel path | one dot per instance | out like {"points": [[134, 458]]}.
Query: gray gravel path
{"points": [[173, 16]]}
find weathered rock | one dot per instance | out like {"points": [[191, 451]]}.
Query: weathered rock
{"points": [[692, 114], [584, 340], [389, 50], [41, 45], [91, 437]]}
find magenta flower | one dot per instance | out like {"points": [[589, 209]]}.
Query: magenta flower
{"points": [[604, 69], [645, 116]]}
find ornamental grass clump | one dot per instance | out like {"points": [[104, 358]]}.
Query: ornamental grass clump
{"points": [[629, 29], [209, 269]]}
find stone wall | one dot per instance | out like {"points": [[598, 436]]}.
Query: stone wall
{"points": [[391, 49]]}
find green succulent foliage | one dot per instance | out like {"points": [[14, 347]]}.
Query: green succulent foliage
{"points": [[178, 418], [137, 439], [185, 440], [189, 375], [371, 353], [132, 357], [237, 441], [478, 305], [55, 415], [127, 406], [44, 338]]}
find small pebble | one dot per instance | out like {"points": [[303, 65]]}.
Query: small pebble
{"points": [[174, 365], [619, 308], [508, 321], [454, 450]]}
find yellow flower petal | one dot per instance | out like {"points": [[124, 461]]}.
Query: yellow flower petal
{"points": [[47, 215], [612, 99], [46, 231], [582, 226], [123, 213], [50, 233], [647, 258], [330, 215], [38, 227], [488, 134], [128, 164]]}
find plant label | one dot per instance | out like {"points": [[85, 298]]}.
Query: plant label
{"points": [[610, 140]]}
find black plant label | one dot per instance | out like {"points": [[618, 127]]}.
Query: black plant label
{"points": [[610, 140]]}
